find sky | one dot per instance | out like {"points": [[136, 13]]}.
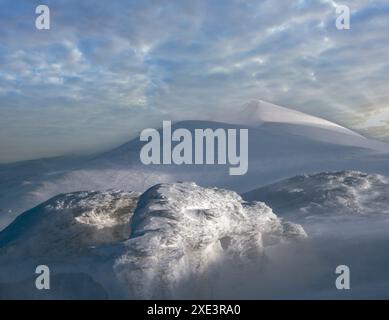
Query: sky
{"points": [[107, 69]]}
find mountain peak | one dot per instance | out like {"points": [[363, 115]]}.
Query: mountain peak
{"points": [[260, 111]]}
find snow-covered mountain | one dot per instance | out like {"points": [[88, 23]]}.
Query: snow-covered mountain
{"points": [[179, 240], [282, 143], [172, 242], [258, 112], [185, 241], [293, 122]]}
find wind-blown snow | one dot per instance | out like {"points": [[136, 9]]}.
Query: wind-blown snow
{"points": [[185, 241], [177, 232], [327, 194], [70, 223], [346, 216], [185, 228]]}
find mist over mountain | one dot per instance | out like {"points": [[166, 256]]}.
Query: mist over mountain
{"points": [[319, 198], [185, 241]]}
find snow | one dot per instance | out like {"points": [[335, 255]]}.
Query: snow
{"points": [[268, 149], [185, 229], [69, 223], [181, 240], [166, 239], [282, 143], [327, 194], [259, 111], [176, 232]]}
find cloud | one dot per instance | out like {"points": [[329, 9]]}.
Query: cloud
{"points": [[107, 70]]}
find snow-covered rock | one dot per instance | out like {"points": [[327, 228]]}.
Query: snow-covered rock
{"points": [[181, 230], [69, 223], [327, 194], [177, 232]]}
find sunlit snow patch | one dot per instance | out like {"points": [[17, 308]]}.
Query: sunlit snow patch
{"points": [[181, 231]]}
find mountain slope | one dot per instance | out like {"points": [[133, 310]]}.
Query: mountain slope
{"points": [[282, 143], [259, 111], [293, 122]]}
